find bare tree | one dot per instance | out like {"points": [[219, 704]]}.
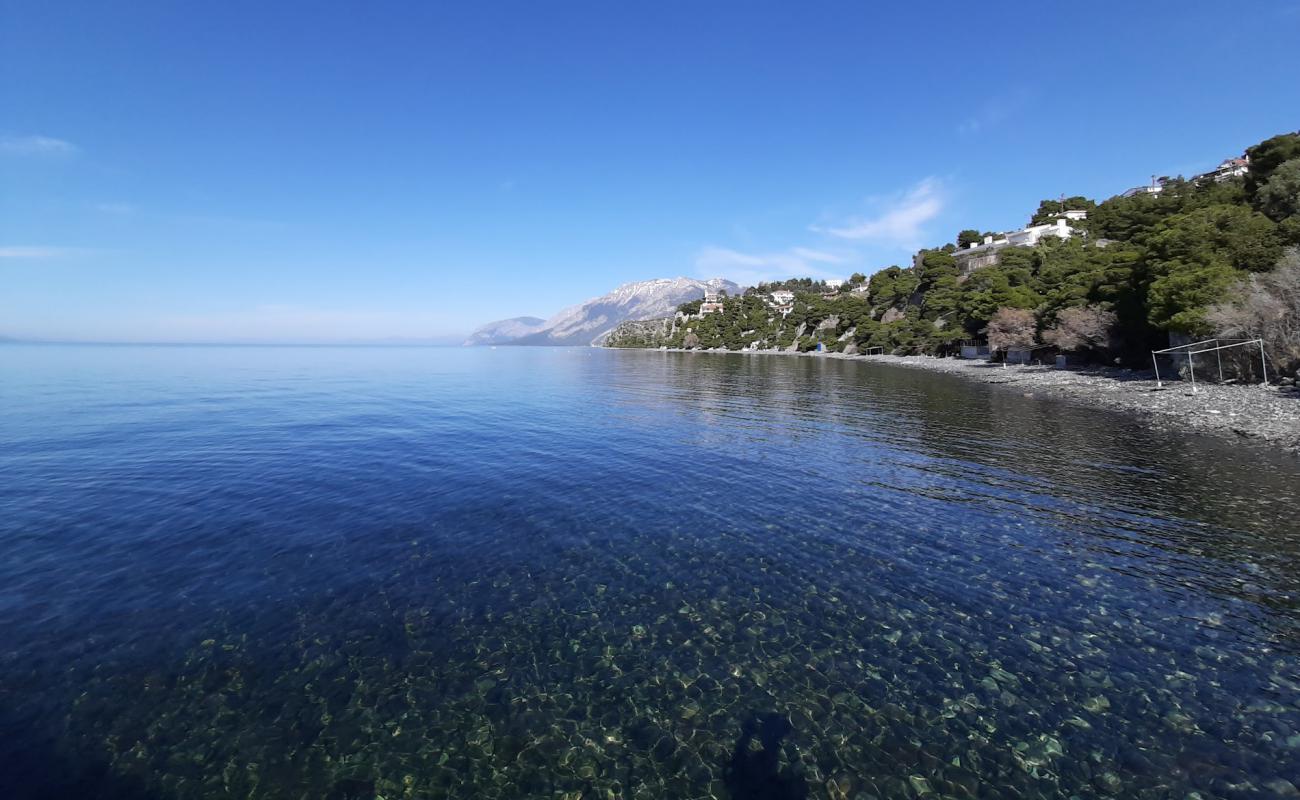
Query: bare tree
{"points": [[1078, 328], [1266, 306], [1011, 327]]}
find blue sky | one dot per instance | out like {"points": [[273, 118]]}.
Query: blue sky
{"points": [[349, 171]]}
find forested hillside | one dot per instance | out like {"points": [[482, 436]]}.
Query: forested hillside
{"points": [[1198, 258]]}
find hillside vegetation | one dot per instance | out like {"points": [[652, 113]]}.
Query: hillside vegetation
{"points": [[1196, 259]]}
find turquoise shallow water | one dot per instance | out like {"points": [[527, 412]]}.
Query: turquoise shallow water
{"points": [[410, 572]]}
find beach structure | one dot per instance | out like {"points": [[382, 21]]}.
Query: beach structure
{"points": [[1025, 355], [1184, 356]]}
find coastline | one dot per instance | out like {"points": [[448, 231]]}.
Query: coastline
{"points": [[1256, 413]]}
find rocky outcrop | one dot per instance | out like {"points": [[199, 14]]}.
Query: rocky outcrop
{"points": [[642, 333], [798, 332]]}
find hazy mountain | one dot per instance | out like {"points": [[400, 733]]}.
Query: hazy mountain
{"points": [[589, 322], [505, 330]]}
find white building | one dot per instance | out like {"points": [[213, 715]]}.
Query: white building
{"points": [[1032, 235], [985, 253], [712, 302], [782, 300], [1157, 186], [1230, 168]]}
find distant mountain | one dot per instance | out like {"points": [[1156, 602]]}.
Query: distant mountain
{"points": [[589, 322], [504, 330]]}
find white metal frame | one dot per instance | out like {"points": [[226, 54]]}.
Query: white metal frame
{"points": [[1214, 347], [869, 349]]}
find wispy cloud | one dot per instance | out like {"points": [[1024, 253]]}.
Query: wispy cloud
{"points": [[39, 252], [993, 111], [900, 222], [753, 268], [118, 209], [894, 226], [36, 146]]}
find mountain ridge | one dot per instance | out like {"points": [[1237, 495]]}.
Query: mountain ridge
{"points": [[589, 322]]}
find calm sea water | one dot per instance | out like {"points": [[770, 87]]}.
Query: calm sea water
{"points": [[407, 572]]}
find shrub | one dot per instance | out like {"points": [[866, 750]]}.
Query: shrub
{"points": [[1266, 306], [1011, 327], [1085, 327]]}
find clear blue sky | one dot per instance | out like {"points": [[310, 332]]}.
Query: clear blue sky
{"points": [[328, 170]]}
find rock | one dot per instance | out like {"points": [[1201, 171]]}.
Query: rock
{"points": [[691, 341], [850, 349]]}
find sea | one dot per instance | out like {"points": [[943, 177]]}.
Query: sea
{"points": [[414, 572]]}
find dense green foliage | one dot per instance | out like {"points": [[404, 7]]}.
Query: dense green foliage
{"points": [[1152, 263]]}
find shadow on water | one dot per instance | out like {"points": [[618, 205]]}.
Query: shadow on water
{"points": [[756, 774], [35, 770]]}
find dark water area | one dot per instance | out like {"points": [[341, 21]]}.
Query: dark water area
{"points": [[572, 573]]}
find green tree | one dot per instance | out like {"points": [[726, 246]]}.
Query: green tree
{"points": [[1242, 238], [892, 287], [1279, 197], [1048, 209], [1181, 294], [1267, 156], [937, 281]]}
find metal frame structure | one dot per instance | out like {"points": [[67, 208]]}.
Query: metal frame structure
{"points": [[1214, 347], [869, 349]]}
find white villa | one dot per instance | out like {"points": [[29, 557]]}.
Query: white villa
{"points": [[1156, 187], [782, 300], [1228, 169], [985, 253], [712, 302]]}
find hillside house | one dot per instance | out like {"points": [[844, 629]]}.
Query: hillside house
{"points": [[1156, 186], [782, 300], [985, 253], [1227, 170], [712, 302]]}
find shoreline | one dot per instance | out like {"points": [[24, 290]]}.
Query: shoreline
{"points": [[1250, 412]]}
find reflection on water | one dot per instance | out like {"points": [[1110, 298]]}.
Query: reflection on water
{"points": [[349, 573]]}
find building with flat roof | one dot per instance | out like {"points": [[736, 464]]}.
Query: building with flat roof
{"points": [[985, 253]]}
